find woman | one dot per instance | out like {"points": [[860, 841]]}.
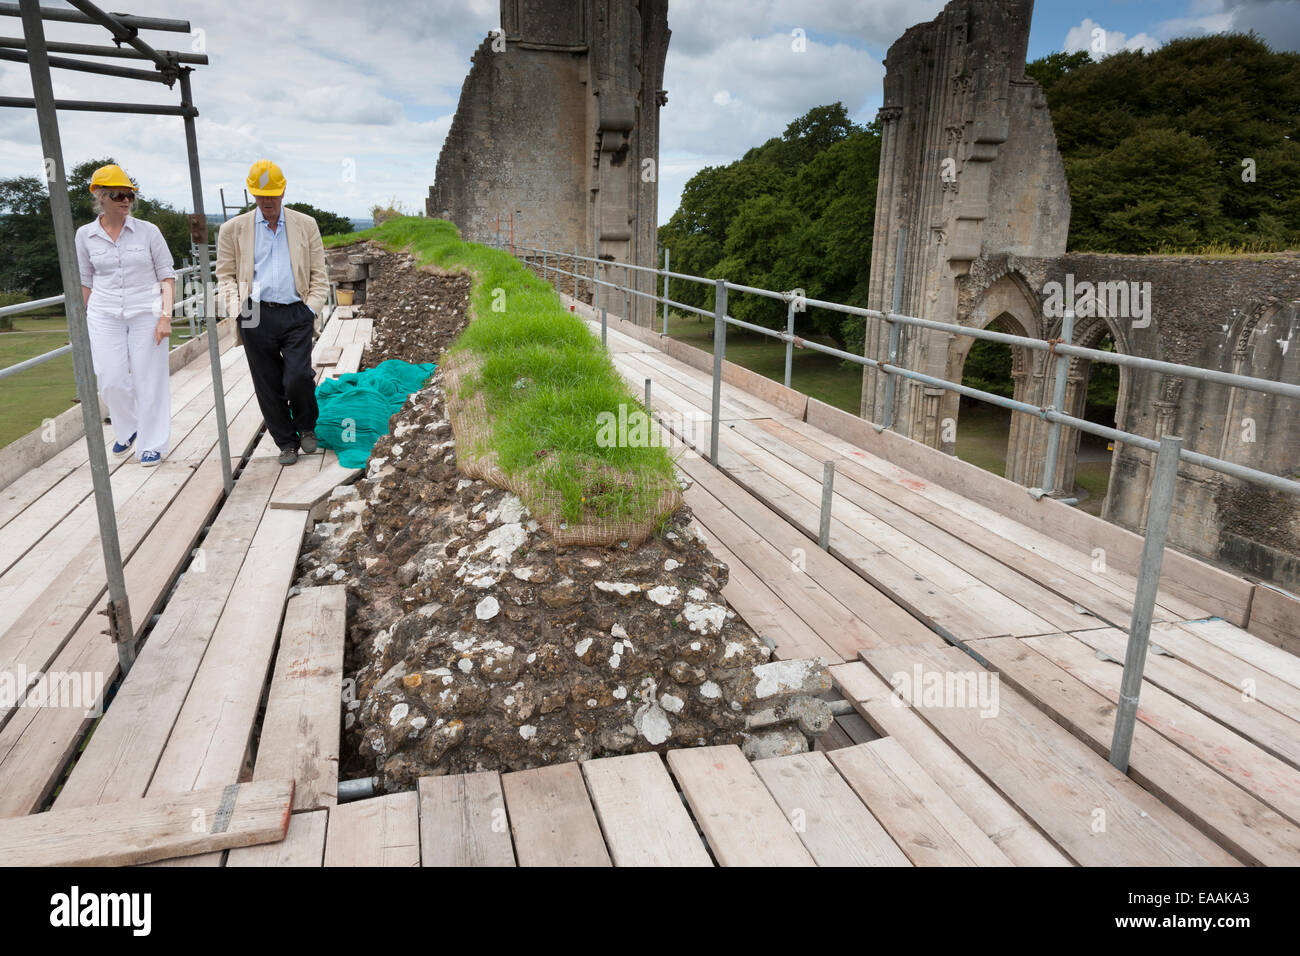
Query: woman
{"points": [[128, 285]]}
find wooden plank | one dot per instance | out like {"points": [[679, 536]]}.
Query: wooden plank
{"points": [[1244, 825], [965, 832], [463, 821], [37, 742], [1008, 583], [212, 731], [834, 738], [780, 573], [199, 443], [641, 814], [1226, 636], [552, 819], [119, 761], [969, 519], [1232, 670], [300, 730], [1051, 776], [381, 831], [830, 820], [328, 356], [1275, 617], [303, 845], [76, 484], [976, 607], [683, 382], [876, 609], [937, 595], [1235, 707], [47, 560], [911, 512], [349, 361], [32, 485], [1273, 781], [742, 822], [310, 493], [140, 831], [762, 610], [1184, 576], [929, 827], [859, 731], [39, 633], [1004, 825]]}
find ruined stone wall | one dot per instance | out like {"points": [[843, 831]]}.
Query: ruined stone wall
{"points": [[1236, 315], [968, 168], [558, 127], [971, 179], [514, 148]]}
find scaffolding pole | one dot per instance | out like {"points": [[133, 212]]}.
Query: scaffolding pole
{"points": [[120, 628], [205, 270]]}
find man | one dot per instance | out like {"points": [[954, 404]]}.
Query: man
{"points": [[271, 273]]}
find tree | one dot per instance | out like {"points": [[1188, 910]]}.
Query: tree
{"points": [[331, 224], [796, 212], [31, 260], [1222, 100], [1158, 188]]}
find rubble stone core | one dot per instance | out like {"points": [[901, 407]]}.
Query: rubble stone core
{"points": [[476, 643]]}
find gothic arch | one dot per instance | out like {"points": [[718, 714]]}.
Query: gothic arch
{"points": [[1008, 300], [1087, 334]]}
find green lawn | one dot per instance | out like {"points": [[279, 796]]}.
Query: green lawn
{"points": [[821, 376], [982, 432], [31, 396]]}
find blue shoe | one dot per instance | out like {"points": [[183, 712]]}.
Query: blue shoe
{"points": [[150, 458], [120, 450]]}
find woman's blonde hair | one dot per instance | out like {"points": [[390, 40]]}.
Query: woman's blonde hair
{"points": [[98, 200]]}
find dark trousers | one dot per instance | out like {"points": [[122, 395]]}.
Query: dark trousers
{"points": [[277, 342]]}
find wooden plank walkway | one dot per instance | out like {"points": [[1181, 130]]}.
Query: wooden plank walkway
{"points": [[184, 717], [1004, 764]]}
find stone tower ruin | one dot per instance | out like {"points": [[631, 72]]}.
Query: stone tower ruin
{"points": [[558, 129], [972, 190], [969, 169]]}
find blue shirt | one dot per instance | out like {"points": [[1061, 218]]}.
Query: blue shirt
{"points": [[272, 271]]}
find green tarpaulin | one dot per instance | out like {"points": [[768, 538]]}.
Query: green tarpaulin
{"points": [[356, 406]]}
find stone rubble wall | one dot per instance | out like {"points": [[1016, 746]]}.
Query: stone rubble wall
{"points": [[478, 644]]}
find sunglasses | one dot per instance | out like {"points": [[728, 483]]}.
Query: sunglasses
{"points": [[118, 195]]}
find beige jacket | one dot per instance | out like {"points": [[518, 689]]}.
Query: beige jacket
{"points": [[235, 261]]}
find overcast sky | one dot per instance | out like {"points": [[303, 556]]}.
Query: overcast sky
{"points": [[354, 99]]}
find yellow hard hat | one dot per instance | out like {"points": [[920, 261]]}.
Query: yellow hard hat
{"points": [[265, 179], [110, 175]]}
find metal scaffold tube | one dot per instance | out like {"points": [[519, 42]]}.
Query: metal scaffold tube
{"points": [[119, 610], [1144, 601], [208, 300]]}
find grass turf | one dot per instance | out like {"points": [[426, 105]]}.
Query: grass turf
{"points": [[30, 397], [544, 378]]}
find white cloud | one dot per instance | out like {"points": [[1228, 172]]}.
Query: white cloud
{"points": [[309, 83], [1090, 36]]}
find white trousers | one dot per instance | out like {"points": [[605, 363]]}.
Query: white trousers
{"points": [[133, 376]]}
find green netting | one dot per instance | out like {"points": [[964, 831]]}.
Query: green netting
{"points": [[356, 406]]}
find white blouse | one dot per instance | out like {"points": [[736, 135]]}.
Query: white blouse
{"points": [[125, 277]]}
